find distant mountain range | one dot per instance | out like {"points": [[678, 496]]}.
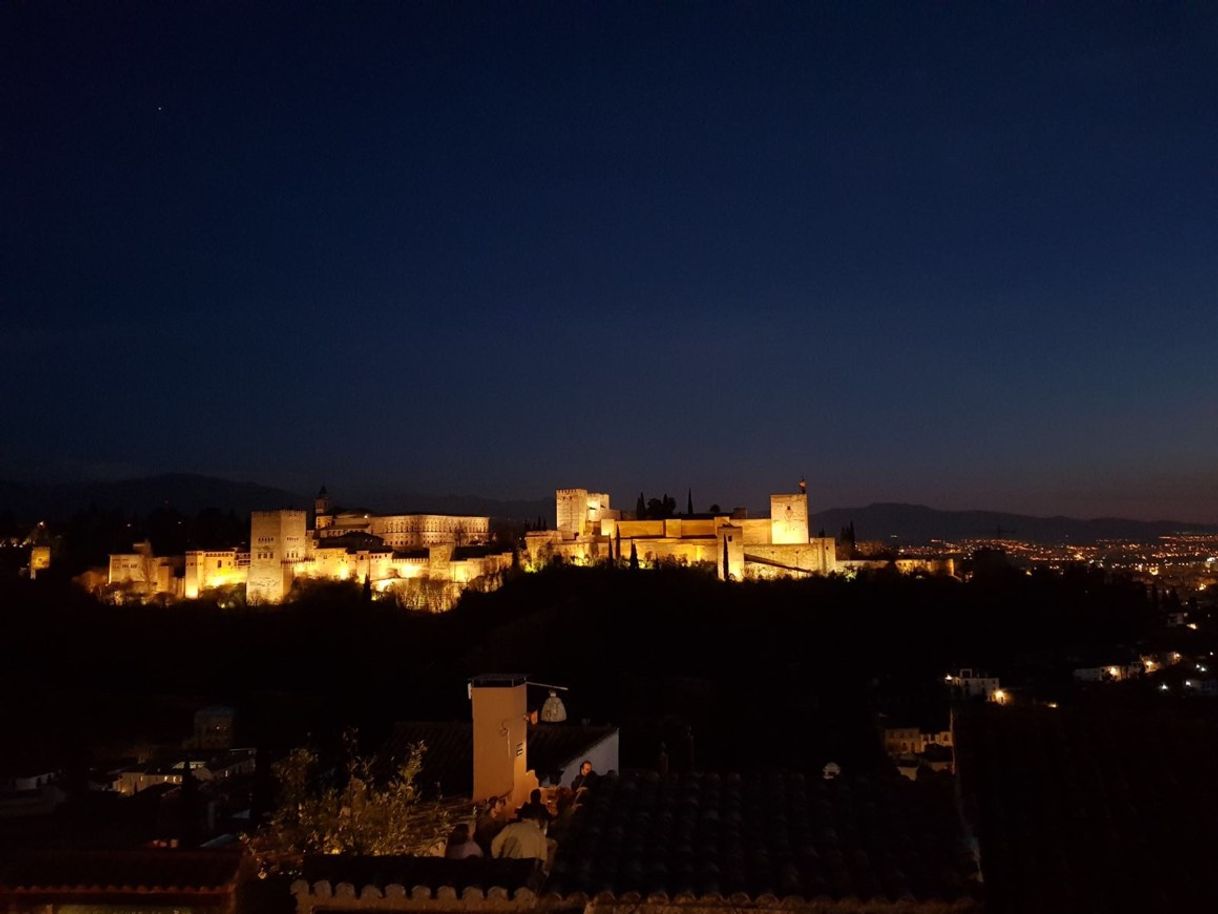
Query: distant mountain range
{"points": [[914, 524], [186, 492], [901, 523]]}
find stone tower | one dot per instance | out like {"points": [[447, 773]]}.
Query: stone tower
{"points": [[789, 519], [321, 509], [277, 543]]}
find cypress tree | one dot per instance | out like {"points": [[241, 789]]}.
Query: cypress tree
{"points": [[727, 574], [689, 503], [634, 558], [640, 508]]}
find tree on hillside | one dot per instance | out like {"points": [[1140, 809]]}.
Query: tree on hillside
{"points": [[846, 542], [351, 809], [640, 507]]}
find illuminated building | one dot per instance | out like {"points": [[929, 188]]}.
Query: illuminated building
{"points": [[143, 573], [401, 531], [40, 559], [446, 551], [970, 683], [588, 530], [206, 570]]}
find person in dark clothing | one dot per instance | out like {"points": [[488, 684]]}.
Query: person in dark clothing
{"points": [[535, 808], [586, 777], [460, 845], [490, 822]]}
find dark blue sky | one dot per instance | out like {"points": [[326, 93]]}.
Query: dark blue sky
{"points": [[963, 254]]}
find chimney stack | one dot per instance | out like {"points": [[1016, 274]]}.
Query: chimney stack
{"points": [[500, 711]]}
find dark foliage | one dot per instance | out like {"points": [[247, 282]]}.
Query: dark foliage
{"points": [[728, 676]]}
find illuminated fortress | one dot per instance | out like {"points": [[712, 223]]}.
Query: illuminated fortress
{"points": [[429, 558], [739, 547]]}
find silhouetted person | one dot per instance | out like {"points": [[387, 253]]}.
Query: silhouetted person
{"points": [[490, 822], [564, 806], [534, 808], [586, 777]]}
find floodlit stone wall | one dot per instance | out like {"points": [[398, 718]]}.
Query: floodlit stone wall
{"points": [[926, 566], [205, 570], [145, 574], [817, 556], [731, 553]]}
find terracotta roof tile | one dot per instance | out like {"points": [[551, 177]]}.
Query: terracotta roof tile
{"points": [[433, 872], [154, 870], [782, 834], [1100, 809]]}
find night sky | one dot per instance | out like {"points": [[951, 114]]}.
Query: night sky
{"points": [[963, 254]]}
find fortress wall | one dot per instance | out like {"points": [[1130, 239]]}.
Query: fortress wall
{"points": [[815, 557], [757, 530]]}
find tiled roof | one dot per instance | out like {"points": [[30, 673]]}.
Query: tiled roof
{"points": [[884, 840], [1091, 809], [169, 871], [449, 760]]}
